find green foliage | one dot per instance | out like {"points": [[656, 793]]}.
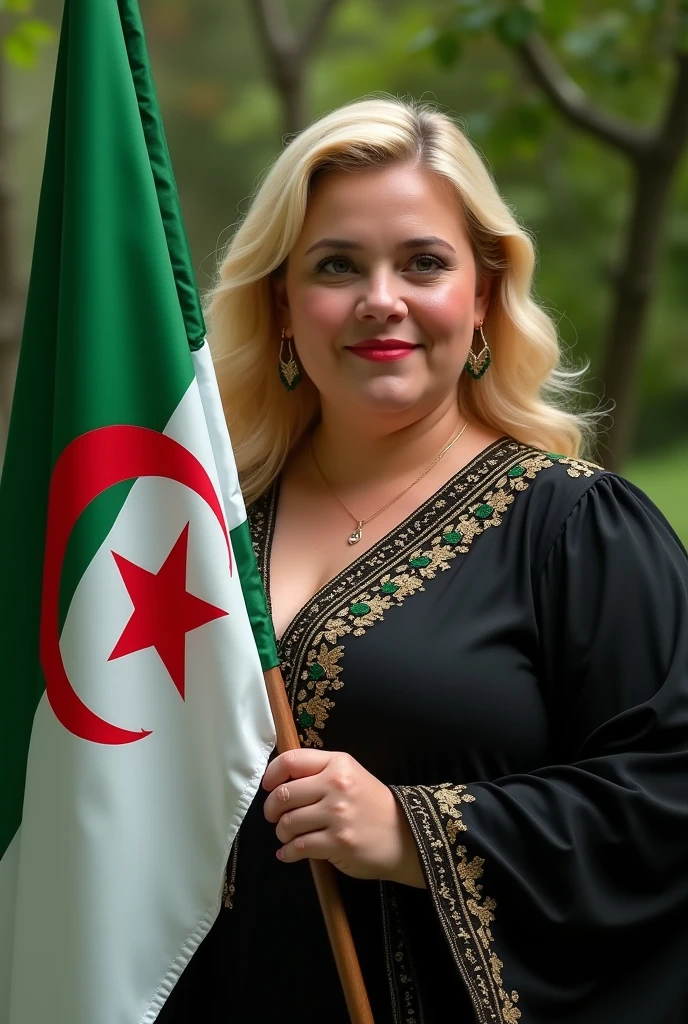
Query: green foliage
{"points": [[224, 126], [663, 478], [613, 43], [26, 35], [568, 188], [16, 6], [255, 115], [514, 24]]}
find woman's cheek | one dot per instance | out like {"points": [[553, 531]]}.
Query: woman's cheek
{"points": [[450, 307], [325, 309]]}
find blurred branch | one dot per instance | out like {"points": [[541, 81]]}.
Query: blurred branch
{"points": [[288, 52], [571, 101], [673, 132], [274, 29], [279, 35], [316, 26], [654, 154]]}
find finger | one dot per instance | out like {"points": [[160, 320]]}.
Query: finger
{"points": [[311, 846], [303, 820], [292, 794], [295, 764]]}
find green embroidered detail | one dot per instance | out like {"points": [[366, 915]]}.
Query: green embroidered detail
{"points": [[577, 467], [389, 588], [390, 580], [451, 538]]}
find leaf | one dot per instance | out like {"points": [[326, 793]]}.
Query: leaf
{"points": [[479, 123], [478, 18], [447, 48], [16, 6], [557, 17], [21, 45], [18, 51], [38, 31], [422, 41], [530, 119], [590, 39], [514, 25], [498, 82], [254, 113], [355, 18]]}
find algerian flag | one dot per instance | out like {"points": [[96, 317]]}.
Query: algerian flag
{"points": [[135, 726]]}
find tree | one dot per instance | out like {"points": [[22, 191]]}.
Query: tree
{"points": [[603, 45], [288, 52]]}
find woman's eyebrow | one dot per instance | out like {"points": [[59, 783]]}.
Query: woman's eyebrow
{"points": [[410, 243]]}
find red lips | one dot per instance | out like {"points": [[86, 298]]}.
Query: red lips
{"points": [[383, 349]]}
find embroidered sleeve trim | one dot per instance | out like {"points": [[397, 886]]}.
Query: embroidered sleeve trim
{"points": [[465, 912], [229, 886], [404, 996]]}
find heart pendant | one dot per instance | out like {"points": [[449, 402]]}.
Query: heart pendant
{"points": [[356, 536]]}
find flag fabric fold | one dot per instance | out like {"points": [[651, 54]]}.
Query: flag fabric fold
{"points": [[134, 629]]}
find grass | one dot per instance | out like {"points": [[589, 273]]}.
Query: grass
{"points": [[664, 478]]}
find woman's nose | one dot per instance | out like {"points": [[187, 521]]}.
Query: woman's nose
{"points": [[382, 296]]}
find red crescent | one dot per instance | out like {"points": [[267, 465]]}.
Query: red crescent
{"points": [[89, 465]]}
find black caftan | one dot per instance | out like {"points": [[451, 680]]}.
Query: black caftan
{"points": [[513, 661]]}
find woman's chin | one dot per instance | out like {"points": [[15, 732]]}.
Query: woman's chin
{"points": [[388, 394]]}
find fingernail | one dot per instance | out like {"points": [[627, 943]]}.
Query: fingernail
{"points": [[280, 854]]}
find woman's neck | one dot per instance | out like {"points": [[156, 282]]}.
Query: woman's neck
{"points": [[355, 452]]}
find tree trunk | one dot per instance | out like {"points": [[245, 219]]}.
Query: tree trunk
{"points": [[634, 287], [654, 154], [288, 53], [288, 78]]}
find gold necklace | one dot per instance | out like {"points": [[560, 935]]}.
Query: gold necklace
{"points": [[358, 532]]}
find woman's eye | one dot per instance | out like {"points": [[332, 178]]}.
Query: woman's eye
{"points": [[342, 265], [434, 261], [334, 260]]}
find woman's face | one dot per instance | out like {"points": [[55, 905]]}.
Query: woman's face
{"points": [[383, 255]]}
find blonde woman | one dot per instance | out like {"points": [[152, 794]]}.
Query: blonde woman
{"points": [[484, 638]]}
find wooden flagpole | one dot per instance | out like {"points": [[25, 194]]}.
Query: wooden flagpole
{"points": [[323, 873]]}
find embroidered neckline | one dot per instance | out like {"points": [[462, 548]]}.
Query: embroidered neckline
{"points": [[271, 500], [425, 543]]}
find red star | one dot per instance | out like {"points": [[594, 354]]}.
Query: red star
{"points": [[164, 611]]}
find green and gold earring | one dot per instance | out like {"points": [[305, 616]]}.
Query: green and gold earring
{"points": [[289, 372], [478, 365]]}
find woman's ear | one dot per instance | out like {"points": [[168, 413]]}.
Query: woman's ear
{"points": [[278, 288], [483, 293]]}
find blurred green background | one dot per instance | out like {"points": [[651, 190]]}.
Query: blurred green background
{"points": [[235, 77]]}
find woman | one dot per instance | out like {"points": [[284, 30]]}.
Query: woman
{"points": [[484, 639]]}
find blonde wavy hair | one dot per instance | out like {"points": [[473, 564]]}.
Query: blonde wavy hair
{"points": [[526, 392]]}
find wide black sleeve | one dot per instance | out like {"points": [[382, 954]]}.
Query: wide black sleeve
{"points": [[557, 885]]}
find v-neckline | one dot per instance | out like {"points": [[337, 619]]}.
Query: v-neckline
{"points": [[272, 501]]}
